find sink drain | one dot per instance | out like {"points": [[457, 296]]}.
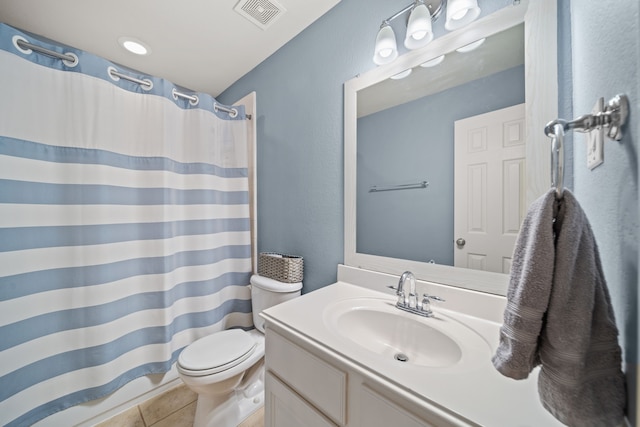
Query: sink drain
{"points": [[401, 357]]}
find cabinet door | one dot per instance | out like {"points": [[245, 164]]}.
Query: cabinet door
{"points": [[318, 382], [285, 408]]}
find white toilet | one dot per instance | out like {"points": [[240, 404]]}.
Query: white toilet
{"points": [[226, 368]]}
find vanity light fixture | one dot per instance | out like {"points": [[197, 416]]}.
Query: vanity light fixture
{"points": [[134, 45], [419, 25], [471, 46], [433, 62]]}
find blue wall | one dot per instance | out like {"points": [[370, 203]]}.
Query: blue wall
{"points": [[418, 224], [300, 130], [605, 54], [300, 137]]}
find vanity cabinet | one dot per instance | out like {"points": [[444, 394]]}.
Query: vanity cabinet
{"points": [[330, 361], [308, 385]]}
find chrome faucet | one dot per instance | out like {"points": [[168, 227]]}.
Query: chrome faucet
{"points": [[409, 301], [401, 293]]}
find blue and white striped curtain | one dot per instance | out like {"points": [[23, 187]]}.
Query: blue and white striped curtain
{"points": [[124, 227]]}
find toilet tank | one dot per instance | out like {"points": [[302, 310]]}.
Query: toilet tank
{"points": [[267, 292]]}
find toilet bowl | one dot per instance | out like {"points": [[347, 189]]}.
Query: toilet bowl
{"points": [[226, 369]]}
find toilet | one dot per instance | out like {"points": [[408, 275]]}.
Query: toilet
{"points": [[226, 369]]}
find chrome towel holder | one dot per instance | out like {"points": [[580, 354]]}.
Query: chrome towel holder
{"points": [[613, 118], [417, 185]]}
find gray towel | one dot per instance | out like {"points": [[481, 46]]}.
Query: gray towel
{"points": [[559, 316]]}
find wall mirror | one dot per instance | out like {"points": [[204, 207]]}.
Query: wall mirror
{"points": [[402, 193]]}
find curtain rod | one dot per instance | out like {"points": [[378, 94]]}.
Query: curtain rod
{"points": [[73, 60], [115, 73], [65, 57]]}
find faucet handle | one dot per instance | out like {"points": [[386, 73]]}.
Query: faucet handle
{"points": [[433, 297], [403, 299], [413, 300], [426, 303]]}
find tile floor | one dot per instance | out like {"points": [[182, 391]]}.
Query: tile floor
{"points": [[173, 408]]}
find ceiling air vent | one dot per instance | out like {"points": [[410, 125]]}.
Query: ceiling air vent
{"points": [[262, 13]]}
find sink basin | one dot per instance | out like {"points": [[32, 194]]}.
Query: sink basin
{"points": [[379, 327]]}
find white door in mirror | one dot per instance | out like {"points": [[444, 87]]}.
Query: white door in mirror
{"points": [[490, 197]]}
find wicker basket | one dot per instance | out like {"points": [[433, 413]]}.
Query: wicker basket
{"points": [[284, 268]]}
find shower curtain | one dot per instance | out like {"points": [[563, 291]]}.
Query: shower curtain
{"points": [[124, 225]]}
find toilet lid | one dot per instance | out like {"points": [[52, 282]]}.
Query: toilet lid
{"points": [[217, 352]]}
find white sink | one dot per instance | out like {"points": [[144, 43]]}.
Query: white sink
{"points": [[394, 335]]}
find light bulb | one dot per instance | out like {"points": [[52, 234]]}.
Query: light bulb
{"points": [[385, 52], [419, 35]]}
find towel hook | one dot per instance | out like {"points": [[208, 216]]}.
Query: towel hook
{"points": [[557, 159], [613, 118]]}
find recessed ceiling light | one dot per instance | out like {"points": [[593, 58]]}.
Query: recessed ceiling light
{"points": [[134, 45]]}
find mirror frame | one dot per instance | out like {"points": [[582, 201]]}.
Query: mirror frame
{"points": [[541, 106]]}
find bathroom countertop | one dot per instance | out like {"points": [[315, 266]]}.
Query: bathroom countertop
{"points": [[474, 392]]}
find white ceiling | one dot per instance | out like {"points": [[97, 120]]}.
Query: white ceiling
{"points": [[203, 45]]}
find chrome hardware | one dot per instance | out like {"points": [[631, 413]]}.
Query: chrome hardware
{"points": [[410, 302], [421, 184], [404, 297], [401, 357], [613, 118], [461, 242], [399, 293], [413, 300], [426, 304]]}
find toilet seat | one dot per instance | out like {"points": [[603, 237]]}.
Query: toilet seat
{"points": [[216, 353]]}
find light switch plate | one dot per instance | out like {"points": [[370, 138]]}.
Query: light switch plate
{"points": [[595, 140]]}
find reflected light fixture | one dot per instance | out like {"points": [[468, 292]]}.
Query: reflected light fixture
{"points": [[471, 46], [401, 74], [432, 62], [419, 25]]}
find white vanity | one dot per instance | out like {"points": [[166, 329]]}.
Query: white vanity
{"points": [[331, 360]]}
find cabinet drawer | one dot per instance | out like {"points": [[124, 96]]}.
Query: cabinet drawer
{"points": [[323, 385]]}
